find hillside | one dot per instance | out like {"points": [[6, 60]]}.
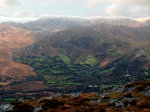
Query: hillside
{"points": [[89, 58], [133, 97], [12, 38]]}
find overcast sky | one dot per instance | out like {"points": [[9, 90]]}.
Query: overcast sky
{"points": [[83, 8]]}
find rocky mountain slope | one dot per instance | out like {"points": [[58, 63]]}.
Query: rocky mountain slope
{"points": [[133, 97]]}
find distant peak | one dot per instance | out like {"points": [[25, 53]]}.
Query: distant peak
{"points": [[4, 18], [143, 19]]}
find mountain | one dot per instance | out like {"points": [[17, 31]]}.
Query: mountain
{"points": [[89, 58], [66, 54], [5, 19], [61, 23], [56, 23], [144, 20]]}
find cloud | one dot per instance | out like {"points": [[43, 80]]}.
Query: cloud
{"points": [[51, 2], [92, 3], [23, 14], [4, 3], [133, 2], [140, 11], [117, 10], [123, 10]]}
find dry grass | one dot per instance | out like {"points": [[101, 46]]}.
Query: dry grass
{"points": [[12, 39]]}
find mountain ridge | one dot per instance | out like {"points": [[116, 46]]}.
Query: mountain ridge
{"points": [[61, 23]]}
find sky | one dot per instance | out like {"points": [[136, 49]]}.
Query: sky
{"points": [[82, 8]]}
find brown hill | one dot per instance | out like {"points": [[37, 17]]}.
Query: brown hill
{"points": [[12, 38]]}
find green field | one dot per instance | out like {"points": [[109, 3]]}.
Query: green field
{"points": [[65, 59], [106, 72], [9, 100], [69, 83], [86, 74], [90, 60]]}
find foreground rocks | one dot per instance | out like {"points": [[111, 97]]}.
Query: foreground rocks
{"points": [[132, 98], [6, 107]]}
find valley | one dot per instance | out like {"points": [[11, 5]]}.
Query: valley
{"points": [[65, 59], [74, 56]]}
